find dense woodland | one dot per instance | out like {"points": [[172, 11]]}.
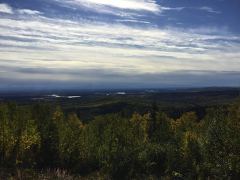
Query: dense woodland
{"points": [[150, 145]]}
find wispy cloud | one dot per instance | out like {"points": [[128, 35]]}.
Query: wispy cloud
{"points": [[209, 9], [29, 12], [133, 21], [123, 8], [85, 44], [36, 47], [171, 8], [4, 8], [138, 5]]}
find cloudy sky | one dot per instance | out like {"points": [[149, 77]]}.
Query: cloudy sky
{"points": [[84, 44]]}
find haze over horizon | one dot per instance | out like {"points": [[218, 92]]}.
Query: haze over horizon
{"points": [[92, 44]]}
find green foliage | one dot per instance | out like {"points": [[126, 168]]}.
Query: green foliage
{"points": [[114, 145], [70, 141], [222, 142], [145, 146]]}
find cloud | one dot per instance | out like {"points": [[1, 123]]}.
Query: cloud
{"points": [[4, 8], [136, 5], [41, 49], [104, 78], [38, 42], [123, 8], [29, 12], [133, 21], [209, 9], [172, 9]]}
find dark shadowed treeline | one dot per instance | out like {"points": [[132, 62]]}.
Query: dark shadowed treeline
{"points": [[152, 145]]}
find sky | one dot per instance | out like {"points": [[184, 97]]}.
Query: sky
{"points": [[102, 44]]}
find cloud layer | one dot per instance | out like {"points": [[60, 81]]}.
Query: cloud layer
{"points": [[37, 48]]}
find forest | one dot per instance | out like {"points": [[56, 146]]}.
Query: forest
{"points": [[40, 140]]}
